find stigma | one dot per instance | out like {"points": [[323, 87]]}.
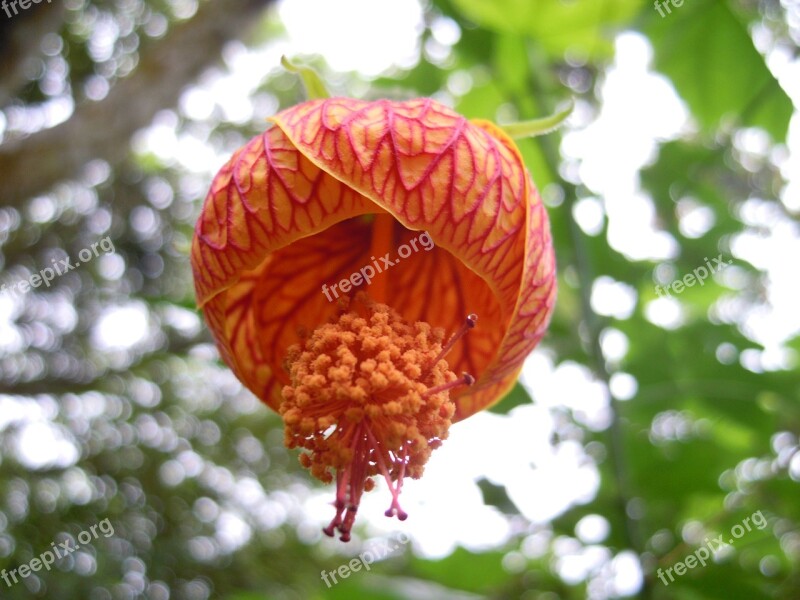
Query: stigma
{"points": [[369, 397]]}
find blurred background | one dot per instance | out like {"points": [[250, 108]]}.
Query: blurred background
{"points": [[650, 421]]}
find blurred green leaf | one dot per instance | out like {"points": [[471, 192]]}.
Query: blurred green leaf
{"points": [[708, 54], [583, 26], [518, 396], [464, 570], [496, 495]]}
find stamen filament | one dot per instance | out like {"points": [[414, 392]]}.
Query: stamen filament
{"points": [[469, 323], [394, 509], [339, 504]]}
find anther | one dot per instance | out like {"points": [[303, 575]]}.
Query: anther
{"points": [[466, 379], [347, 525], [396, 510]]}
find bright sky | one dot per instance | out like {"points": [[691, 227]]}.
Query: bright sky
{"points": [[446, 510]]}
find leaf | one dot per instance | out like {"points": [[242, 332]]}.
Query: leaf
{"points": [[558, 26], [364, 587], [711, 59], [496, 495], [464, 570], [516, 397]]}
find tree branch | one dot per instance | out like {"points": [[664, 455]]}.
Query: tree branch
{"points": [[20, 38], [103, 129]]}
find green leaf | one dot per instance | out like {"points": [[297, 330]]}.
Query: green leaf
{"points": [[558, 26], [464, 570], [496, 495], [363, 587], [516, 397], [711, 59]]}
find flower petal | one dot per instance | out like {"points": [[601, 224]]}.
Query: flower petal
{"points": [[266, 196], [273, 306]]}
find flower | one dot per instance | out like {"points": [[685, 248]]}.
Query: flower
{"points": [[368, 384]]}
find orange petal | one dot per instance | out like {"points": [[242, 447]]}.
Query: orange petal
{"points": [[265, 197], [276, 304]]}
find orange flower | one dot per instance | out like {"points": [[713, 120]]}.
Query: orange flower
{"points": [[443, 212]]}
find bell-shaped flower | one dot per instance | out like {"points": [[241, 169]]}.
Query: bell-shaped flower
{"points": [[340, 258]]}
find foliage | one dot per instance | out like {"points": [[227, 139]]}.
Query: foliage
{"points": [[170, 448]]}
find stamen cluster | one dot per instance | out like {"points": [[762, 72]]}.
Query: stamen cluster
{"points": [[369, 395]]}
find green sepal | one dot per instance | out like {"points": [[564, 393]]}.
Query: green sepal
{"points": [[536, 127], [315, 87]]}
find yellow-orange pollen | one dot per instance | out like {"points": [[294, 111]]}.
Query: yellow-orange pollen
{"points": [[369, 395]]}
